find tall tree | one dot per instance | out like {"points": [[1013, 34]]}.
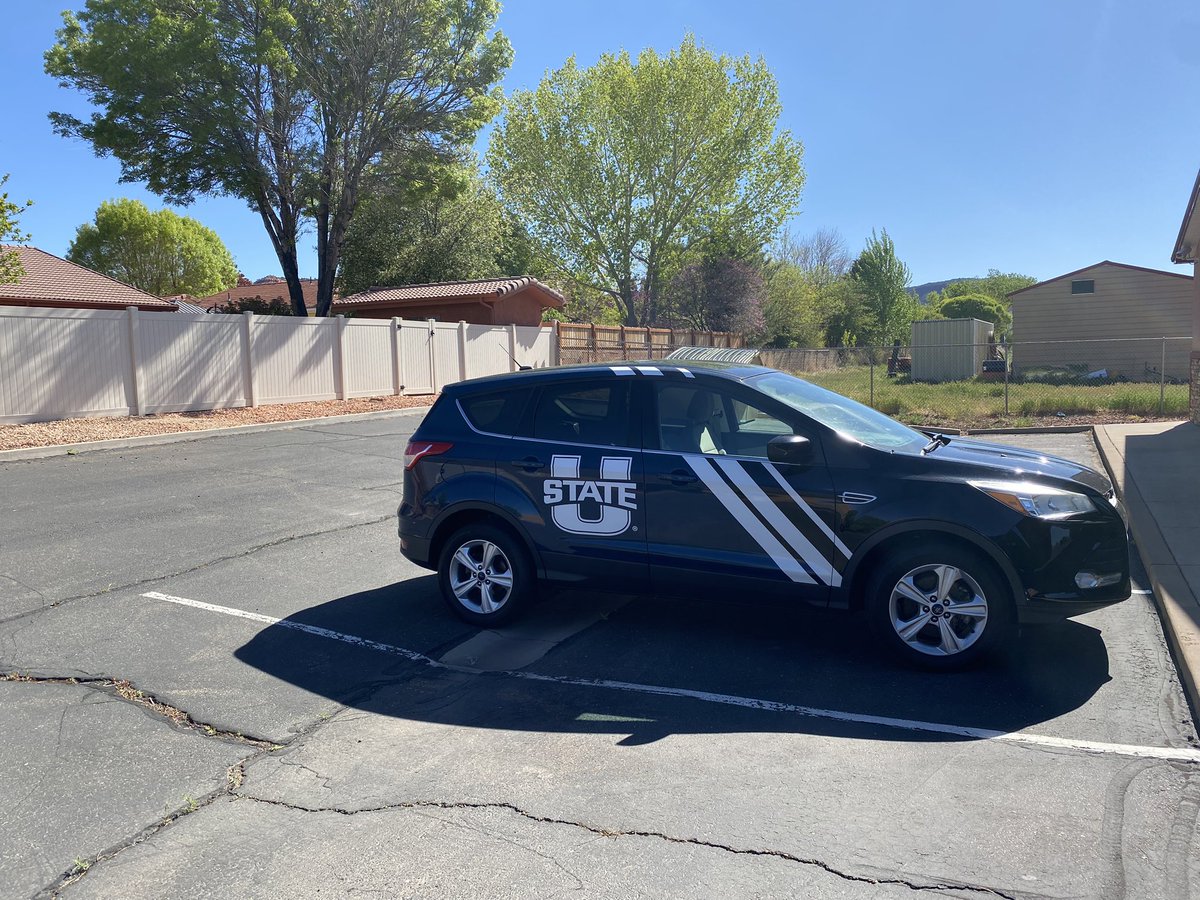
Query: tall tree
{"points": [[447, 226], [977, 306], [160, 252], [292, 105], [996, 284], [618, 168], [882, 281], [717, 295], [10, 263], [821, 256]]}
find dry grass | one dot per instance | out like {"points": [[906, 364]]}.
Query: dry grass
{"points": [[980, 404], [73, 431]]}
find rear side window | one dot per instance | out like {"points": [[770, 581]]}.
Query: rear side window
{"points": [[498, 412], [584, 414]]}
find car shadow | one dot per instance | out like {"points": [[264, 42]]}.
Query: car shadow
{"points": [[725, 653]]}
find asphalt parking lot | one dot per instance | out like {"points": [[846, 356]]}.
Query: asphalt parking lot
{"points": [[312, 722]]}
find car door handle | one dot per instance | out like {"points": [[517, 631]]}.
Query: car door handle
{"points": [[529, 464], [679, 476]]}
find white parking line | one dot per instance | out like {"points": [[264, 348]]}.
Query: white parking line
{"points": [[1171, 754]]}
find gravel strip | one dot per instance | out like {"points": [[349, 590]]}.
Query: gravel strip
{"points": [[73, 431]]}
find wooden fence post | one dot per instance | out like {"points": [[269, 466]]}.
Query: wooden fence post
{"points": [[593, 351], [248, 359]]}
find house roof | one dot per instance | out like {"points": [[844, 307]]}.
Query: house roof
{"points": [[485, 291], [1187, 245], [1103, 262], [50, 280], [268, 291]]}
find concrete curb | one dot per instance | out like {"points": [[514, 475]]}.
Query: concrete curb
{"points": [[1178, 608], [179, 437], [1040, 429]]}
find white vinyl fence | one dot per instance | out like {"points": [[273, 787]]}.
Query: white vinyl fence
{"points": [[67, 363]]}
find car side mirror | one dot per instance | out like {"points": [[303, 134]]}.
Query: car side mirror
{"points": [[790, 448]]}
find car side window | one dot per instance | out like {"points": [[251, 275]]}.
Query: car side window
{"points": [[498, 412], [699, 419], [584, 414]]}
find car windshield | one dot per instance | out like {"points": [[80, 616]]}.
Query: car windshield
{"points": [[845, 416]]}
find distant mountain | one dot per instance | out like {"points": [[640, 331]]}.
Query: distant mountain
{"points": [[924, 290]]}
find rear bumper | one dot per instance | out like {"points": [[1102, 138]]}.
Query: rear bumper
{"points": [[414, 546]]}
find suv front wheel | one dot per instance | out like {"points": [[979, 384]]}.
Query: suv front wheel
{"points": [[940, 606], [486, 575]]}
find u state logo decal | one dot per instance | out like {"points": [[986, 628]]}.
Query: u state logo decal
{"points": [[613, 494]]}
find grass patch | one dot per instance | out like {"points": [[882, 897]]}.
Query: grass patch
{"points": [[976, 403]]}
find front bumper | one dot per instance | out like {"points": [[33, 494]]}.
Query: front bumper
{"points": [[1058, 552]]}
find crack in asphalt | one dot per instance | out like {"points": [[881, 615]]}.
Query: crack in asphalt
{"points": [[234, 775], [155, 579], [126, 691], [605, 832]]}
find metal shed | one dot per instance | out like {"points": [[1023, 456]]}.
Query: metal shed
{"points": [[949, 349]]}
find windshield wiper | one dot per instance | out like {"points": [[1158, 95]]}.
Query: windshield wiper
{"points": [[938, 440]]}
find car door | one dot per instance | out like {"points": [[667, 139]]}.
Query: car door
{"points": [[574, 471], [721, 517]]}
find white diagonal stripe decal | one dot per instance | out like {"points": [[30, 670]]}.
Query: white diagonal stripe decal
{"points": [[780, 522], [809, 511], [732, 502]]}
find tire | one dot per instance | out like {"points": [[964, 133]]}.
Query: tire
{"points": [[502, 577], [908, 612]]}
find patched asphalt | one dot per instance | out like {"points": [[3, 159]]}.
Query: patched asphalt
{"points": [[413, 779]]}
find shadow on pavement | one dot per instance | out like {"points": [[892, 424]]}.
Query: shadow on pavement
{"points": [[796, 656]]}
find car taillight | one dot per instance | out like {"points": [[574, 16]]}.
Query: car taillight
{"points": [[418, 450]]}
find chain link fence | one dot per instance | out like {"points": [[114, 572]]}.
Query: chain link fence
{"points": [[1027, 383]]}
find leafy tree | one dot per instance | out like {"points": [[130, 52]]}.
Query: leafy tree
{"points": [[10, 263], [821, 256], [619, 168], [295, 106], [717, 295], [977, 306], [882, 280], [160, 252], [276, 306], [448, 227], [996, 284]]}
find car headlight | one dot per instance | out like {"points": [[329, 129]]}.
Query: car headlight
{"points": [[1038, 500]]}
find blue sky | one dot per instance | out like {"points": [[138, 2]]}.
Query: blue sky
{"points": [[1035, 137]]}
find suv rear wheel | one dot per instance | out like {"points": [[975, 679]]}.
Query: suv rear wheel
{"points": [[485, 574], [940, 606]]}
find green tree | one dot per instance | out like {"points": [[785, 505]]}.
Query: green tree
{"points": [[160, 252], [882, 281], [977, 306], [294, 106], [619, 168], [445, 225], [10, 263], [996, 284]]}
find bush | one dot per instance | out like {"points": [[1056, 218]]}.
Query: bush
{"points": [[257, 305]]}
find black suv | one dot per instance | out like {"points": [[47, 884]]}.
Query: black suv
{"points": [[741, 482]]}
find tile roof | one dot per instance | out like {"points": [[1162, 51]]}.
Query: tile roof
{"points": [[491, 288], [51, 280], [268, 292]]}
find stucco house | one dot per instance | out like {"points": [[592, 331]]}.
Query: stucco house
{"points": [[1187, 250], [493, 301], [1106, 305], [52, 281]]}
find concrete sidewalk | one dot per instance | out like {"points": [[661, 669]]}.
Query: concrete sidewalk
{"points": [[1154, 468]]}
